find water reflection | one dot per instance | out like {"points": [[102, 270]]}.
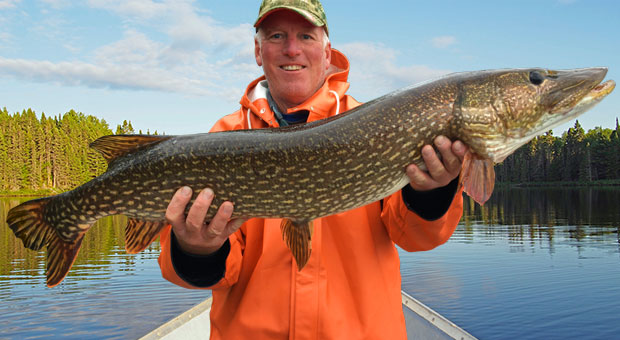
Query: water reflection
{"points": [[547, 207], [536, 215]]}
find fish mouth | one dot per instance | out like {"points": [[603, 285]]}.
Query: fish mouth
{"points": [[596, 94], [601, 90]]}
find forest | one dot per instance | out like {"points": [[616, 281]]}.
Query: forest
{"points": [[576, 157], [51, 153]]}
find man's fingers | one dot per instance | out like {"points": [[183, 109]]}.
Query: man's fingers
{"points": [[419, 179], [442, 168], [197, 213], [220, 220], [459, 150], [175, 213], [450, 162], [433, 163]]}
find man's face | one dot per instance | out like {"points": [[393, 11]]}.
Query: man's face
{"points": [[293, 57]]}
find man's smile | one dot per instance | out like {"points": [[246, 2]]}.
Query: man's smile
{"points": [[292, 67]]}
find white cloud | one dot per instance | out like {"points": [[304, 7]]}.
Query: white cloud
{"points": [[98, 76], [198, 46], [192, 54], [374, 71], [4, 4], [443, 41]]}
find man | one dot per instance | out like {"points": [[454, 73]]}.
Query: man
{"points": [[350, 287]]}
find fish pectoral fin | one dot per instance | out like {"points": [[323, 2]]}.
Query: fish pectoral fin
{"points": [[60, 258], [298, 238], [139, 234], [477, 177], [114, 146]]}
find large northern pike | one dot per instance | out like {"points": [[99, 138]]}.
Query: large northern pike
{"points": [[317, 169]]}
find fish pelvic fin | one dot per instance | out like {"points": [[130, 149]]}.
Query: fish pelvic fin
{"points": [[477, 177], [28, 222], [298, 238], [139, 234], [114, 146]]}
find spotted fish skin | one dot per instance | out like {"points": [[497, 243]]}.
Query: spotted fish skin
{"points": [[304, 172]]}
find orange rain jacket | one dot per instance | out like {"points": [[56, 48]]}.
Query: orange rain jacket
{"points": [[351, 286]]}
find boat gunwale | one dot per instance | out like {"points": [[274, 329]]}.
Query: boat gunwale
{"points": [[437, 320]]}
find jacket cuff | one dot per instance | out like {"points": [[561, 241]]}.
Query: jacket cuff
{"points": [[432, 204], [199, 270]]}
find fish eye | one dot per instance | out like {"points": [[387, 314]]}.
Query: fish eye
{"points": [[536, 78]]}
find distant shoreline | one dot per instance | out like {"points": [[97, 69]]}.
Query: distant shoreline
{"points": [[601, 183]]}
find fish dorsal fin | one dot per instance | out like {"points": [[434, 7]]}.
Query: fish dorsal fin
{"points": [[112, 147], [139, 234], [298, 238], [477, 177]]}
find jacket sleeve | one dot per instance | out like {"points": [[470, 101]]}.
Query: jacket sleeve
{"points": [[418, 221], [218, 270]]}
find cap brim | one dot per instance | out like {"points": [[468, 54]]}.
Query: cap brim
{"points": [[307, 15]]}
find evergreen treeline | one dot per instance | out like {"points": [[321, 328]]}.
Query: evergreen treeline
{"points": [[577, 156], [50, 153]]}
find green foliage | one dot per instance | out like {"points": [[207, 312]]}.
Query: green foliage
{"points": [[125, 129], [577, 156], [50, 153]]}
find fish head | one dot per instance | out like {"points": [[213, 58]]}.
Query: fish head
{"points": [[499, 111]]}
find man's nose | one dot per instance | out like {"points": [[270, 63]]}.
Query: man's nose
{"points": [[292, 47]]}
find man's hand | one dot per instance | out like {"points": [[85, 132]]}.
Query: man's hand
{"points": [[193, 235], [440, 171]]}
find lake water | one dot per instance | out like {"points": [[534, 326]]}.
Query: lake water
{"points": [[530, 264]]}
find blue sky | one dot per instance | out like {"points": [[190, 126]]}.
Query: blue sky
{"points": [[177, 66]]}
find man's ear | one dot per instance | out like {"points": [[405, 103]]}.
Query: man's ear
{"points": [[328, 54], [257, 56]]}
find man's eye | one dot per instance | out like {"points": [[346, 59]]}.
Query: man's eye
{"points": [[306, 36], [276, 36]]}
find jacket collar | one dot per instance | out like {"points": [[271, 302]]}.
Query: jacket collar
{"points": [[321, 105]]}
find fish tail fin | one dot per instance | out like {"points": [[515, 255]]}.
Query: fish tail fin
{"points": [[477, 177], [298, 238], [29, 224]]}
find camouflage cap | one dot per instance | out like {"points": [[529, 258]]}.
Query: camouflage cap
{"points": [[311, 10]]}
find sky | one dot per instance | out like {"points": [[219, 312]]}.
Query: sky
{"points": [[176, 66]]}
